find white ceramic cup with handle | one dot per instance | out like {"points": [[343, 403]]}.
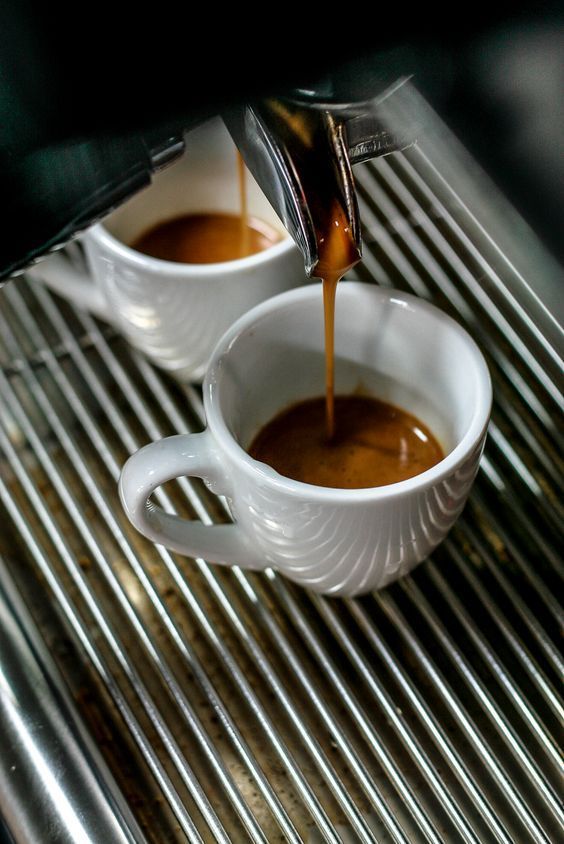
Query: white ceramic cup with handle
{"points": [[335, 541], [176, 312]]}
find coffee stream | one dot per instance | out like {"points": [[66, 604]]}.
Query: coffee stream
{"points": [[318, 154], [337, 254]]}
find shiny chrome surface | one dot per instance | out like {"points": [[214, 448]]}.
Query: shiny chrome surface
{"points": [[53, 784], [272, 136], [234, 706]]}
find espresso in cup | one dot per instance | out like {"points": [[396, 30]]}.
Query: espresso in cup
{"points": [[210, 238], [375, 444], [206, 238]]}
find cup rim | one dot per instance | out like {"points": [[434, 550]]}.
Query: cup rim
{"points": [[101, 235], [217, 425]]}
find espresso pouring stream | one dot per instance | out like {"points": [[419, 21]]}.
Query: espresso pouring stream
{"points": [[335, 257], [315, 144]]}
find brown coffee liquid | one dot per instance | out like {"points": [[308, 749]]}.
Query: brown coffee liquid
{"points": [[206, 239], [375, 444], [337, 254], [209, 238]]}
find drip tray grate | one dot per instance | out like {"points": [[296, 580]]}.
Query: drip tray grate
{"points": [[231, 706]]}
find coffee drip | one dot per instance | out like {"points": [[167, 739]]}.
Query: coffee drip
{"points": [[316, 145], [337, 255]]}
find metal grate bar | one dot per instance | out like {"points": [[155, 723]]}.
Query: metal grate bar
{"points": [[527, 662], [452, 199], [113, 468], [534, 443], [453, 703], [470, 677], [467, 278], [454, 760], [37, 360], [384, 701], [389, 710], [515, 745], [491, 710], [428, 712], [42, 558], [542, 639], [535, 581], [373, 196], [348, 700]]}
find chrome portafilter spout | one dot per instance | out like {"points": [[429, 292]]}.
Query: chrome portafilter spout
{"points": [[301, 151]]}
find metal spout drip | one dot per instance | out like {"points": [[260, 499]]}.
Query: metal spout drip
{"points": [[301, 156]]}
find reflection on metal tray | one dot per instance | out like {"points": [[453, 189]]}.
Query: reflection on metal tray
{"points": [[231, 706]]}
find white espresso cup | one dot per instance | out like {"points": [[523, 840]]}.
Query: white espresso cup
{"points": [[336, 541], [174, 312]]}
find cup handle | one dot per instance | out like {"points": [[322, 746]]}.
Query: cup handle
{"points": [[61, 275], [165, 460]]}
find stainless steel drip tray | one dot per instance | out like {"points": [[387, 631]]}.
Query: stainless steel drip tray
{"points": [[215, 705]]}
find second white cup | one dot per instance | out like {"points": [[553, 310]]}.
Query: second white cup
{"points": [[175, 313]]}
